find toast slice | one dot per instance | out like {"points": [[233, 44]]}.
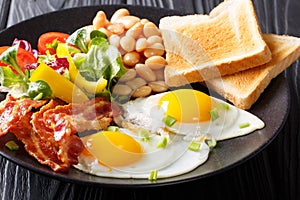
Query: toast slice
{"points": [[244, 88], [201, 47]]}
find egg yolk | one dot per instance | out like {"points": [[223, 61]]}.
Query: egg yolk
{"points": [[187, 105], [113, 149]]}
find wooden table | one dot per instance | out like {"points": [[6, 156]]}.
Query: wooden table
{"points": [[274, 172]]}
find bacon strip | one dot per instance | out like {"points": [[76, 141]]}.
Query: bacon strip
{"points": [[95, 114], [12, 110], [49, 134]]}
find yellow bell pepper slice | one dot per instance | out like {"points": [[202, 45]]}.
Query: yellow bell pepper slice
{"points": [[61, 87], [88, 86]]}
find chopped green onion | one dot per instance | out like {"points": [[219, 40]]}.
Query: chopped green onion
{"points": [[244, 125], [223, 106], [169, 120], [162, 143], [153, 175], [214, 114], [144, 134], [12, 145], [113, 128], [211, 142], [194, 146]]}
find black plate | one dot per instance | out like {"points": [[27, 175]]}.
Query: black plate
{"points": [[272, 107]]}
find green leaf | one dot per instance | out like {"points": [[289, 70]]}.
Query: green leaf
{"points": [[78, 38], [9, 57], [8, 78], [97, 34], [39, 90]]}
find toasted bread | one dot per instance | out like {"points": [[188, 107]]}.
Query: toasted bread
{"points": [[244, 88], [201, 47]]}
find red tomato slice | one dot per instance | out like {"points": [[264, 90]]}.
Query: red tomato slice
{"points": [[23, 57], [48, 38]]}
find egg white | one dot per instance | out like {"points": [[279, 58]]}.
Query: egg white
{"points": [[173, 160], [144, 113]]}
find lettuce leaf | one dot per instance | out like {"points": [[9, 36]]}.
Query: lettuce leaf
{"points": [[101, 61]]}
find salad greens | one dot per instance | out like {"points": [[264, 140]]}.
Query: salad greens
{"points": [[96, 60], [15, 80]]}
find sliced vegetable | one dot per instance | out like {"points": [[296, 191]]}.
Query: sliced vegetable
{"points": [[153, 175], [214, 114], [194, 146], [113, 128], [244, 125], [61, 87], [49, 41], [12, 145], [144, 135], [88, 86], [162, 143], [169, 120], [211, 142]]}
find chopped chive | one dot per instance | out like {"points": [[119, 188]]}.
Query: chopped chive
{"points": [[194, 146], [169, 120], [144, 135], [153, 175], [223, 106], [244, 125], [12, 145], [162, 143], [214, 114], [211, 142], [113, 128]]}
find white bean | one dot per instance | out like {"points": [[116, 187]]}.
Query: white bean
{"points": [[129, 75], [136, 83], [145, 72], [156, 62], [116, 28], [154, 39], [121, 90], [135, 31], [156, 49], [141, 44], [127, 43], [128, 21], [99, 20], [143, 91], [118, 14], [131, 58], [114, 40], [150, 29], [158, 86]]}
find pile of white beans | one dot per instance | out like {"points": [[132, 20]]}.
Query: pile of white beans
{"points": [[142, 50]]}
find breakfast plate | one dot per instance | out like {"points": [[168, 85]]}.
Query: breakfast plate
{"points": [[272, 106]]}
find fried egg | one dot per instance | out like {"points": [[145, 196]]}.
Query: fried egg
{"points": [[195, 116], [196, 113], [123, 154]]}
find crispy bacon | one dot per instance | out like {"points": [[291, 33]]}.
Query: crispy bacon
{"points": [[12, 110], [95, 114], [48, 134]]}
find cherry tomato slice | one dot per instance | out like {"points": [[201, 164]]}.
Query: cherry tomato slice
{"points": [[23, 57], [48, 38]]}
